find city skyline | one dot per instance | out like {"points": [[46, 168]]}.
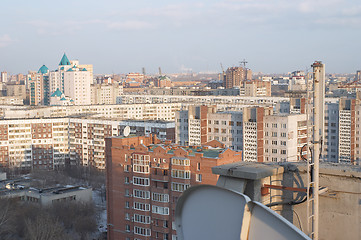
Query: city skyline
{"points": [[122, 37]]}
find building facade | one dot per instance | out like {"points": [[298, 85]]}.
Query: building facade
{"points": [[54, 142], [105, 93], [145, 179], [235, 76]]}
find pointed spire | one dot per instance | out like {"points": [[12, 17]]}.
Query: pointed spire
{"points": [[43, 69], [64, 60]]}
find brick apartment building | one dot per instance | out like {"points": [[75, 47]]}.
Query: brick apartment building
{"points": [[145, 179]]}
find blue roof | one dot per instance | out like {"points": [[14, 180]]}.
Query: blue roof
{"points": [[57, 93], [43, 69], [70, 70], [64, 60], [63, 99], [84, 69]]}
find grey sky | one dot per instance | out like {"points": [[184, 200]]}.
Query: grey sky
{"points": [[118, 36]]}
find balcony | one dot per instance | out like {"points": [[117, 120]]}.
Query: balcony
{"points": [[160, 178]]}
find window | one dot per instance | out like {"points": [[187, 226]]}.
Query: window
{"points": [[127, 204], [141, 206], [180, 162], [142, 231], [126, 168], [274, 134], [283, 134], [181, 174], [127, 217], [274, 142], [274, 125], [274, 150], [199, 177], [126, 180], [160, 210], [283, 151], [165, 223], [160, 197], [127, 228], [179, 187], [126, 192], [141, 168], [198, 166], [141, 181], [141, 194], [141, 219]]}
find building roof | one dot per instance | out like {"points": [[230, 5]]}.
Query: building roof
{"points": [[43, 69], [84, 69], [57, 93], [64, 60], [63, 99]]}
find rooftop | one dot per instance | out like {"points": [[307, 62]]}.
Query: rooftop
{"points": [[64, 61]]}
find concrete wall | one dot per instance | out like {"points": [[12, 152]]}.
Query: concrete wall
{"points": [[340, 205]]}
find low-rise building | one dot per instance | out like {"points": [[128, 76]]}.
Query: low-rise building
{"points": [[49, 196]]}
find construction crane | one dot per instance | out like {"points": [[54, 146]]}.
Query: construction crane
{"points": [[222, 68], [356, 83], [243, 63]]}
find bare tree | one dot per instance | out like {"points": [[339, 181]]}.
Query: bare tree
{"points": [[44, 227]]}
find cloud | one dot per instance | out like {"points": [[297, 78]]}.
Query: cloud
{"points": [[5, 40]]}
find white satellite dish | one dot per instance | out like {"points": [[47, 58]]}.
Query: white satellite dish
{"points": [[213, 213], [126, 131]]}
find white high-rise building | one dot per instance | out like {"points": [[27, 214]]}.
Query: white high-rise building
{"points": [[73, 80], [4, 77]]}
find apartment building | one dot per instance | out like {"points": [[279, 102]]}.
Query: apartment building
{"points": [[105, 93], [284, 137], [54, 142], [257, 88], [70, 78], [34, 143], [165, 111], [145, 179], [238, 130], [342, 130], [235, 76], [208, 100]]}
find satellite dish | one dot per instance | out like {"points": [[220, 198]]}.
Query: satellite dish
{"points": [[126, 131], [212, 213]]}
